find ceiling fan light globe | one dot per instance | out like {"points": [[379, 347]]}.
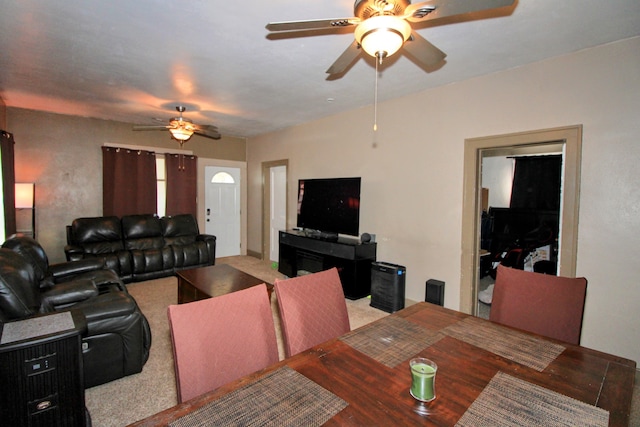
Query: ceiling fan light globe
{"points": [[180, 133], [382, 36]]}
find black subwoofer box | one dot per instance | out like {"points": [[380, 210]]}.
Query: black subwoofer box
{"points": [[434, 292], [387, 286]]}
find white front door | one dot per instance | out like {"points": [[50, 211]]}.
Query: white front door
{"points": [[222, 208], [278, 208]]}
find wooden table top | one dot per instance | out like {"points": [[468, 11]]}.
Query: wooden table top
{"points": [[219, 279], [375, 387]]}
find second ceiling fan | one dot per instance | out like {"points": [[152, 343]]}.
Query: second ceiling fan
{"points": [[182, 128], [382, 27]]}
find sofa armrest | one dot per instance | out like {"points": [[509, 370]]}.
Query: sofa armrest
{"points": [[114, 308], [65, 269], [210, 241], [67, 293], [73, 252]]}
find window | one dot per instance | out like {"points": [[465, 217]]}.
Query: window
{"points": [[222, 178], [162, 184]]}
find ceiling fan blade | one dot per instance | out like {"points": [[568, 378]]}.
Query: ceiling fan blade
{"points": [[434, 9], [320, 24], [347, 57], [423, 51], [150, 127], [206, 127], [208, 133]]}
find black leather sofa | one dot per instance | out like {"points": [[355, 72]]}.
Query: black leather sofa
{"points": [[117, 339], [141, 247]]}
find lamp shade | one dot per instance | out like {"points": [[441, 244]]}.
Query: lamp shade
{"points": [[25, 195], [382, 36]]}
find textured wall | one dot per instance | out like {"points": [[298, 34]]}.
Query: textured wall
{"points": [[62, 155], [3, 115]]}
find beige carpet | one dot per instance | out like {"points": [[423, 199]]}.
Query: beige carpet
{"points": [[135, 397]]}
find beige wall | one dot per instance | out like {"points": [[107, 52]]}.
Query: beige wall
{"points": [[62, 155], [3, 115], [412, 172]]}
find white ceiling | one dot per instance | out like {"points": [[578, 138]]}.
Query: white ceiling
{"points": [[133, 61]]}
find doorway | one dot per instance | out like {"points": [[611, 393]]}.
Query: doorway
{"points": [[222, 208], [570, 141], [203, 184], [274, 206], [521, 188]]}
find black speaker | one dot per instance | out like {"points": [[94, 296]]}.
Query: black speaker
{"points": [[434, 293], [387, 286]]}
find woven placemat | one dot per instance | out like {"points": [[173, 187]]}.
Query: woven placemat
{"points": [[283, 397], [390, 340], [508, 401], [520, 347]]}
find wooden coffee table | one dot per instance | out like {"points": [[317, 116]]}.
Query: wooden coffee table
{"points": [[212, 281]]}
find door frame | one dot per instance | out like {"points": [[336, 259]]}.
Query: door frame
{"points": [[266, 206], [202, 163], [571, 138]]}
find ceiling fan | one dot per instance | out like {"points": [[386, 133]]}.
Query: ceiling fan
{"points": [[382, 27], [181, 128]]}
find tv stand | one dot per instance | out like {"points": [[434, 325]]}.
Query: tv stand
{"points": [[301, 254]]}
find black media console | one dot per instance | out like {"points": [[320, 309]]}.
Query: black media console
{"points": [[302, 254]]}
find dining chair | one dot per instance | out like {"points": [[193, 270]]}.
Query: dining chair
{"points": [[218, 340], [312, 310], [540, 303]]}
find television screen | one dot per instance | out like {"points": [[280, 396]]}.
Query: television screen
{"points": [[329, 205]]}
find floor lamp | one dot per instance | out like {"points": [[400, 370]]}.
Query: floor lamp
{"points": [[26, 208]]}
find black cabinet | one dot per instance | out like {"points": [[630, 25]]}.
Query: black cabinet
{"points": [[301, 254], [41, 372]]}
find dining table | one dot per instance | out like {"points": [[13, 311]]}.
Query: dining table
{"points": [[487, 374]]}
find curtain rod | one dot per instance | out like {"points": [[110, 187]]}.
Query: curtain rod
{"points": [[158, 150], [524, 156]]}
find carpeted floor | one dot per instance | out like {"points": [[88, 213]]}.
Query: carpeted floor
{"points": [[135, 397]]}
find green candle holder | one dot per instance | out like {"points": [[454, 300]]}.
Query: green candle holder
{"points": [[423, 379]]}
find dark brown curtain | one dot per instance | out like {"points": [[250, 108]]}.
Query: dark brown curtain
{"points": [[536, 183], [129, 182], [9, 182], [182, 174]]}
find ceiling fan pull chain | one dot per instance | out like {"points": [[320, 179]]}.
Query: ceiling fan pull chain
{"points": [[375, 102]]}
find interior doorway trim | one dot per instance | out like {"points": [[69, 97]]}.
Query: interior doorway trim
{"points": [[571, 137], [266, 206]]}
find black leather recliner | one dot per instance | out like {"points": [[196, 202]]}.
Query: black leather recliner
{"points": [[118, 337]]}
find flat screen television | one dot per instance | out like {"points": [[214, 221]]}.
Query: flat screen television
{"points": [[329, 206]]}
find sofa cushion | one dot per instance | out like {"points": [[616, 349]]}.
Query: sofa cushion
{"points": [[142, 232], [99, 235], [179, 229], [191, 255]]}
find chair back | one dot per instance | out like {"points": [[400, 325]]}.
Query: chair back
{"points": [[32, 251], [218, 340], [19, 293], [540, 303], [312, 310]]}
